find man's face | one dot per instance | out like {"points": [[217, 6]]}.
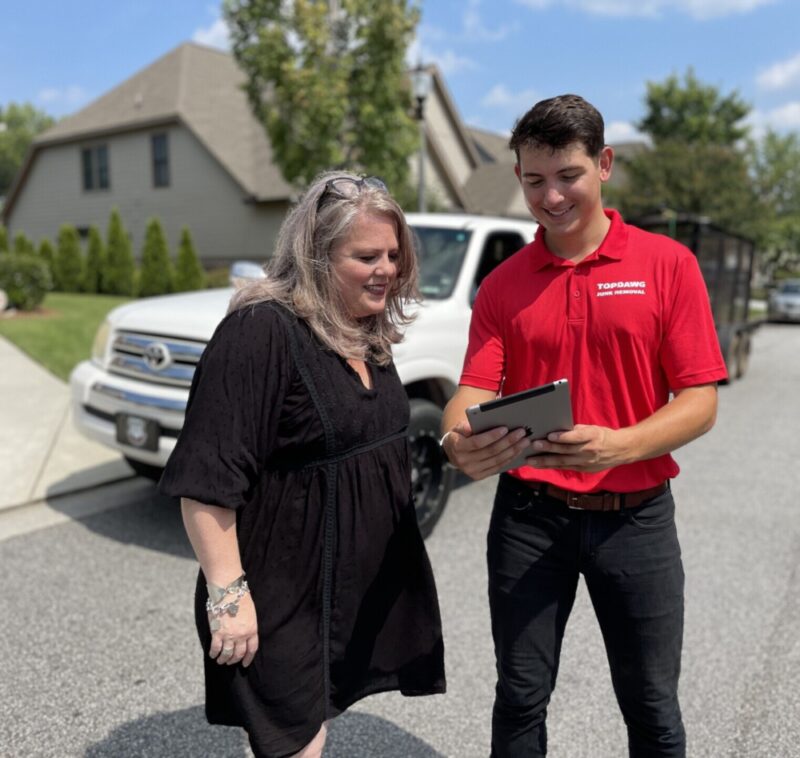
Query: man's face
{"points": [[562, 188]]}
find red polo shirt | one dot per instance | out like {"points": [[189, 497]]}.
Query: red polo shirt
{"points": [[625, 325]]}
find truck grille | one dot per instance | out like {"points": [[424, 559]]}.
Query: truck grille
{"points": [[156, 359]]}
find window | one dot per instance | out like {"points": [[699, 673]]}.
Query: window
{"points": [[160, 150], [94, 161], [498, 247]]}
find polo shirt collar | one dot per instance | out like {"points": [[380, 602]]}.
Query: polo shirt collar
{"points": [[612, 246]]}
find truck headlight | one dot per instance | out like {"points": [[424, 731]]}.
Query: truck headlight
{"points": [[100, 344]]}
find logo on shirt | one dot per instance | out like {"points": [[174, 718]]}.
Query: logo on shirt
{"points": [[605, 289]]}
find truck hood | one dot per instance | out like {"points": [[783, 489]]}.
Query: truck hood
{"points": [[192, 315], [195, 315]]}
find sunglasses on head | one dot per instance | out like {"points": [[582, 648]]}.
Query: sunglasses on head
{"points": [[346, 188]]}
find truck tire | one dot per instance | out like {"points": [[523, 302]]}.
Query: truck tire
{"points": [[147, 470], [432, 476]]}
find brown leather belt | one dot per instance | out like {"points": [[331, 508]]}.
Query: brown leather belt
{"points": [[595, 501]]}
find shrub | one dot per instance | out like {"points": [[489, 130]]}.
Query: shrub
{"points": [[155, 276], [95, 262], [22, 245], [25, 279], [68, 269], [47, 254], [189, 274], [3, 239], [119, 268]]}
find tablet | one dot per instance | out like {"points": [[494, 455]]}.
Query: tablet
{"points": [[540, 410]]}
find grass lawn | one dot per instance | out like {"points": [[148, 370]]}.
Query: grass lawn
{"points": [[59, 335]]}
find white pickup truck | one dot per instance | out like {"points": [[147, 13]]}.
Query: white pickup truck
{"points": [[132, 394]]}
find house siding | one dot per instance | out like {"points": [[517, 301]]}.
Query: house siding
{"points": [[201, 195]]}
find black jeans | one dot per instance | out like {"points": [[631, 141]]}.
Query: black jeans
{"points": [[631, 563]]}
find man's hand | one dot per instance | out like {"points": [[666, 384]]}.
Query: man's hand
{"points": [[584, 448], [484, 454]]}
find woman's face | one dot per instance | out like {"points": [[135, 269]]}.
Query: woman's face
{"points": [[365, 264]]}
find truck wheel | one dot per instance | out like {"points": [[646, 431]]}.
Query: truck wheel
{"points": [[147, 470], [743, 355], [432, 476]]}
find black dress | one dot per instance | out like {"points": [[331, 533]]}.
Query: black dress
{"points": [[317, 467]]}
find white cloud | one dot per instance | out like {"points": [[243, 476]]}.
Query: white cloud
{"points": [[698, 9], [622, 131], [215, 35], [476, 30], [500, 96], [780, 75], [63, 99], [448, 61], [784, 118]]}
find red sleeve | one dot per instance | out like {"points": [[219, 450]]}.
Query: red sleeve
{"points": [[690, 353], [484, 362]]}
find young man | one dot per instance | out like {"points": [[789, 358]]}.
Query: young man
{"points": [[624, 315]]}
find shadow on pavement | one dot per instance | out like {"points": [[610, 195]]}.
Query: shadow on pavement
{"points": [[361, 735], [185, 734], [179, 734], [152, 521]]}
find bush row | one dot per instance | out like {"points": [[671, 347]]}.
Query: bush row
{"points": [[106, 267]]}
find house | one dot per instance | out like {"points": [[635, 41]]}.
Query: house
{"points": [[178, 141]]}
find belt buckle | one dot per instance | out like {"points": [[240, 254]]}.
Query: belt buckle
{"points": [[574, 497]]}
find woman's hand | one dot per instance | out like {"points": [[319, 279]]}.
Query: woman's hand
{"points": [[236, 638]]}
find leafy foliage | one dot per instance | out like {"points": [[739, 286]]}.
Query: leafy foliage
{"points": [[692, 113], [68, 268], [22, 245], [330, 88], [25, 279], [22, 123], [189, 274], [95, 262], [47, 254], [3, 239], [697, 162], [119, 270], [155, 275]]}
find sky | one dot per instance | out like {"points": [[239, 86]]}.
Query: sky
{"points": [[498, 57]]}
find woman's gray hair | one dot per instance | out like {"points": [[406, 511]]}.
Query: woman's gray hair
{"points": [[300, 274]]}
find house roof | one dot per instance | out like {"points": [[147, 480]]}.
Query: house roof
{"points": [[201, 88], [197, 86]]}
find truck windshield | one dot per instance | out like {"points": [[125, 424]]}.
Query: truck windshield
{"points": [[440, 252]]}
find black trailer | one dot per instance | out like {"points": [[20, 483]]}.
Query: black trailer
{"points": [[727, 262]]}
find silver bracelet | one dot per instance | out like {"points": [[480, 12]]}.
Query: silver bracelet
{"points": [[214, 605]]}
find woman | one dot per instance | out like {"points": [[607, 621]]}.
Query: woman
{"points": [[294, 472]]}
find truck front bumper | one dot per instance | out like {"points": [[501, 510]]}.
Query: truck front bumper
{"points": [[140, 421]]}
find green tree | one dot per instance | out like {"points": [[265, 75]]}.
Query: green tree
{"points": [[329, 86], [3, 239], [693, 113], [697, 162], [118, 273], [20, 124], [47, 254], [189, 274], [95, 262], [776, 171], [22, 245], [155, 274], [68, 268]]}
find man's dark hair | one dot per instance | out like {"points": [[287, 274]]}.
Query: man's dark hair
{"points": [[559, 122]]}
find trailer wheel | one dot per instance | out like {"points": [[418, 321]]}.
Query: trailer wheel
{"points": [[743, 354], [729, 346], [432, 476]]}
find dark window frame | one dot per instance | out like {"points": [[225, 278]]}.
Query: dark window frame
{"points": [[159, 154], [95, 168]]}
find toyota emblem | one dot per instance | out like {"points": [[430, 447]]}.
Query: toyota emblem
{"points": [[156, 356]]}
